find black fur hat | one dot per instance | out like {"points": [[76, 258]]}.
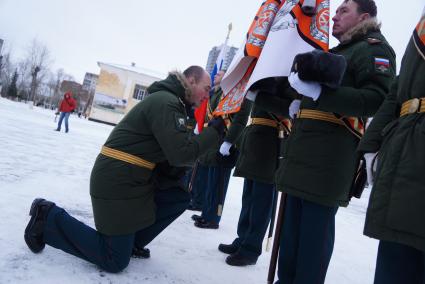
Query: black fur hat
{"points": [[323, 67]]}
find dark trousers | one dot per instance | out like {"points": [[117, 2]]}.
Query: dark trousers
{"points": [[399, 264], [257, 199], [111, 253], [217, 177], [198, 187], [307, 241]]}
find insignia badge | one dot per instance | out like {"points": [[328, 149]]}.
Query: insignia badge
{"points": [[382, 64], [180, 122]]}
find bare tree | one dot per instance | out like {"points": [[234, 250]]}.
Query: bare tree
{"points": [[39, 61], [7, 69]]}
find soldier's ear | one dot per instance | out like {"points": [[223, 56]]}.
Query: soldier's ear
{"points": [[364, 16]]}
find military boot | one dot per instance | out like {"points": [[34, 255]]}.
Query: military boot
{"points": [[34, 231], [237, 259], [229, 249], [141, 253]]}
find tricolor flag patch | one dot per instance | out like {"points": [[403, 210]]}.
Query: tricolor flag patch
{"points": [[382, 64]]}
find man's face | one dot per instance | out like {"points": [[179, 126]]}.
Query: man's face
{"points": [[346, 17], [200, 90], [218, 77]]}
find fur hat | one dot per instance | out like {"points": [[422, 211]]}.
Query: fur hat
{"points": [[323, 67]]}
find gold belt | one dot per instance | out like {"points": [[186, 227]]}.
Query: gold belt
{"points": [[264, 121], [319, 115], [416, 105], [125, 157]]}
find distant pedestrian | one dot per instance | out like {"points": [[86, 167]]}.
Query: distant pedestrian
{"points": [[66, 106]]}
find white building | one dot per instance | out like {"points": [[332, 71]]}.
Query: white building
{"points": [[118, 89], [213, 54]]}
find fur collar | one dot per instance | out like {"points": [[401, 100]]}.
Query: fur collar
{"points": [[182, 79], [360, 30]]}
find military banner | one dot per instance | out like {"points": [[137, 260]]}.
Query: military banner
{"points": [[280, 31]]}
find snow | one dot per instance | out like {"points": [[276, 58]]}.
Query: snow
{"points": [[36, 161]]}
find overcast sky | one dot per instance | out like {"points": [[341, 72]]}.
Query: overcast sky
{"points": [[158, 35]]}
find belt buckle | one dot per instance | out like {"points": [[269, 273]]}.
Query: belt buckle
{"points": [[413, 106]]}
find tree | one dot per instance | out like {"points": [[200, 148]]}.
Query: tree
{"points": [[12, 92]]}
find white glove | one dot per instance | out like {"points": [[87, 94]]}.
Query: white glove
{"points": [[370, 166], [294, 107], [224, 148], [251, 95], [306, 88], [196, 131]]}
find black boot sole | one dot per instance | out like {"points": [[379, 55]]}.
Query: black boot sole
{"points": [[27, 237]]}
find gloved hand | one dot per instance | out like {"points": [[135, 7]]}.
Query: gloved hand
{"points": [[195, 130], [371, 161], [306, 88], [218, 124], [228, 161], [251, 95], [224, 148], [294, 107]]}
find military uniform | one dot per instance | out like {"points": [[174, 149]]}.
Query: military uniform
{"points": [[396, 210], [135, 184], [219, 171], [320, 160]]}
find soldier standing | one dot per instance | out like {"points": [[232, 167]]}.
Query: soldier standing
{"points": [[396, 210], [320, 159]]}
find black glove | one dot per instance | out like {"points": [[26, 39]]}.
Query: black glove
{"points": [[218, 124], [230, 160]]}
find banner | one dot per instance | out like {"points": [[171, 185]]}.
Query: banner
{"points": [[279, 31], [419, 35]]}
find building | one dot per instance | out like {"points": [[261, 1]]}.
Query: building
{"points": [[90, 81], [215, 51], [118, 89]]}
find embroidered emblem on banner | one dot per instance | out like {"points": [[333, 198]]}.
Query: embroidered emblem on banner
{"points": [[382, 64]]}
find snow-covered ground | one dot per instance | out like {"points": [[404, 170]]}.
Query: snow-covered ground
{"points": [[36, 161]]}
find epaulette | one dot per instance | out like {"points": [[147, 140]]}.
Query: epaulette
{"points": [[372, 40]]}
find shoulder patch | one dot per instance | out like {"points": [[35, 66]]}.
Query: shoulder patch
{"points": [[180, 122], [382, 64], [372, 40]]}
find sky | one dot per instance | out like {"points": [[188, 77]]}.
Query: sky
{"points": [[181, 254], [158, 35]]}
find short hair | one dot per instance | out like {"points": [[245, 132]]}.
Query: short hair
{"points": [[197, 72], [365, 6]]}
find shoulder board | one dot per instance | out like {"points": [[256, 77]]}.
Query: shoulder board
{"points": [[372, 40]]}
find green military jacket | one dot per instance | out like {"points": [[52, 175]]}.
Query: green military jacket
{"points": [[155, 129], [396, 210], [319, 157], [260, 145], [237, 120]]}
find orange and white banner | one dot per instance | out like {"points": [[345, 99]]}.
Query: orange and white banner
{"points": [[279, 31]]}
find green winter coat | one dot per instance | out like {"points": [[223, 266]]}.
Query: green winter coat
{"points": [[155, 129], [238, 123], [258, 151], [319, 157], [396, 211]]}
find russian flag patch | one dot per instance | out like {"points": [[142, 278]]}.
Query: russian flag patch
{"points": [[382, 64]]}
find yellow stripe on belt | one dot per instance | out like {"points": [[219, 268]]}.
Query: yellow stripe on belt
{"points": [[319, 115], [264, 121], [416, 105], [125, 157]]}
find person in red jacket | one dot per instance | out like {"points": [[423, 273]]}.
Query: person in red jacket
{"points": [[67, 105]]}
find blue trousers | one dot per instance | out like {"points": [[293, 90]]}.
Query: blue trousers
{"points": [[198, 187], [111, 253], [216, 175], [257, 199], [399, 264], [64, 115], [307, 241]]}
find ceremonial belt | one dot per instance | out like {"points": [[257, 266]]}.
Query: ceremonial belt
{"points": [[125, 157], [319, 115], [353, 124], [264, 122], [416, 105]]}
